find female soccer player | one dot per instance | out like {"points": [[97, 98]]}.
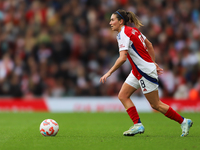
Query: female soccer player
{"points": [[140, 53]]}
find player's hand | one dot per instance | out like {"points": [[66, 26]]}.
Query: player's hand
{"points": [[103, 78], [159, 70]]}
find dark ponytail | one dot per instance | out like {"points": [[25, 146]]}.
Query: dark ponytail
{"points": [[128, 16]]}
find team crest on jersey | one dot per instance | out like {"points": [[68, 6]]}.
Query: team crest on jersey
{"points": [[118, 36], [133, 31]]}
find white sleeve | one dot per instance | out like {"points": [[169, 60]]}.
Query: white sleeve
{"points": [[123, 42]]}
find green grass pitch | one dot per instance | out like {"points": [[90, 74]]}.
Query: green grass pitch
{"points": [[96, 131]]}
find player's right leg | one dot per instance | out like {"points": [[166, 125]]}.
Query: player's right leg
{"points": [[158, 105], [185, 126], [149, 87]]}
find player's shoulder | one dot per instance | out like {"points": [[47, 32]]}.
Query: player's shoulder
{"points": [[131, 31], [127, 29]]}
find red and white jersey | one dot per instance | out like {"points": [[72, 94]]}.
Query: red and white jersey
{"points": [[132, 39]]}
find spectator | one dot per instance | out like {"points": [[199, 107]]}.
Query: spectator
{"points": [[60, 48]]}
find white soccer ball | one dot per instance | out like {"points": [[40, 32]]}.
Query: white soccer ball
{"points": [[49, 127]]}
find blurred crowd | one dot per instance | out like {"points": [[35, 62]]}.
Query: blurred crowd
{"points": [[57, 48]]}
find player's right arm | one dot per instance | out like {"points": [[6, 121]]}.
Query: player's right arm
{"points": [[152, 54], [150, 49], [122, 58]]}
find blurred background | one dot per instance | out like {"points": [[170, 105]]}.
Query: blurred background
{"points": [[60, 48]]}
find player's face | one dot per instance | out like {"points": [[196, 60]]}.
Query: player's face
{"points": [[115, 23]]}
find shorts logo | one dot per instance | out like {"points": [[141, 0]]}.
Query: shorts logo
{"points": [[144, 90]]}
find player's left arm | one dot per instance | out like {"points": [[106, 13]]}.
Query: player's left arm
{"points": [[122, 58], [152, 54]]}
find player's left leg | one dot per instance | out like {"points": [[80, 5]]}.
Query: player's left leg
{"points": [[124, 96], [156, 104], [128, 88]]}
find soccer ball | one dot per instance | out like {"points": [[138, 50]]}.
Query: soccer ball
{"points": [[49, 127]]}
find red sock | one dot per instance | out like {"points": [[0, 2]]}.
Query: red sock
{"points": [[132, 112], [172, 114]]}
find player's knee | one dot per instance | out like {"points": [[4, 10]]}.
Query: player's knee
{"points": [[155, 106], [122, 97]]}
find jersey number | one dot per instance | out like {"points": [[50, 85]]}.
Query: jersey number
{"points": [[142, 40]]}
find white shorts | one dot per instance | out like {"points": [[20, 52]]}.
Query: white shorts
{"points": [[148, 83]]}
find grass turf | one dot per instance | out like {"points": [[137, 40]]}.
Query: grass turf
{"points": [[96, 131]]}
